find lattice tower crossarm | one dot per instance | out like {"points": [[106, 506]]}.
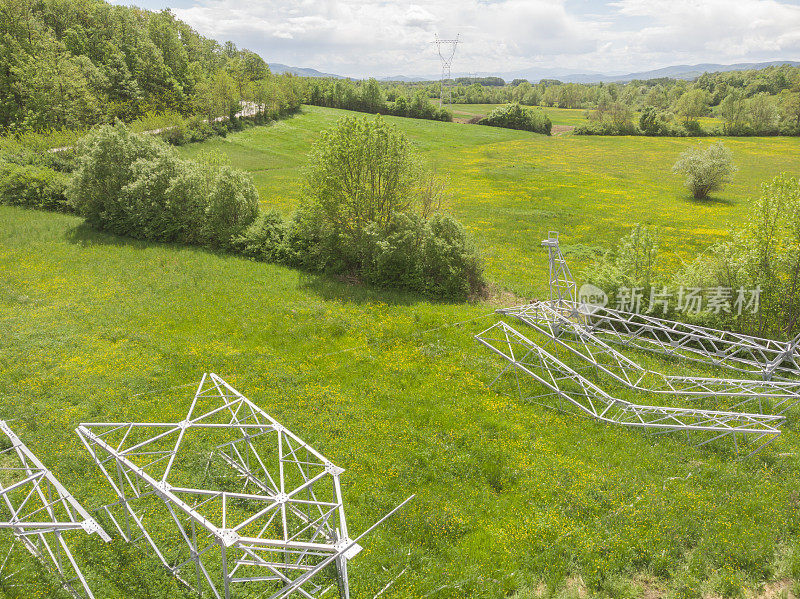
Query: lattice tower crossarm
{"points": [[42, 514], [267, 511]]}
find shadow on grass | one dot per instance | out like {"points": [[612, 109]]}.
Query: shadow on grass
{"points": [[85, 236], [335, 289], [327, 287], [709, 201]]}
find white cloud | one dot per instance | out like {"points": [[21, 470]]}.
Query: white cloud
{"points": [[365, 37], [715, 29]]}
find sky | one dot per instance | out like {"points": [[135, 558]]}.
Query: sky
{"points": [[360, 38]]}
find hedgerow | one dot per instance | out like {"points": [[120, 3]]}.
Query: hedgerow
{"points": [[369, 209], [514, 116], [136, 185]]}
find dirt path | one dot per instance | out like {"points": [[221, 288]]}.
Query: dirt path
{"points": [[561, 129]]}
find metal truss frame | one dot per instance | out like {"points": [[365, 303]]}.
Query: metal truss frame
{"points": [[40, 513], [555, 324], [282, 527], [537, 364], [767, 358]]}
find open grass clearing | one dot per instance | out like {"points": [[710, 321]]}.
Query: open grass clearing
{"points": [[510, 495]]}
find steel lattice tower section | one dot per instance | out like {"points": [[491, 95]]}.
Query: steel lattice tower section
{"points": [[775, 397], [253, 506], [563, 290], [446, 50], [585, 332], [568, 385], [767, 358], [42, 514]]}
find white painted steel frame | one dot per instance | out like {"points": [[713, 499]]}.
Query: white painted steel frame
{"points": [[285, 525], [767, 358], [561, 380], [557, 324], [40, 512]]}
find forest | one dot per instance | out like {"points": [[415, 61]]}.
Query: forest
{"points": [[751, 102], [73, 64]]}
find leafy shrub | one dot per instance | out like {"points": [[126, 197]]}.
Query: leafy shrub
{"points": [[33, 186], [631, 264], [142, 210], [609, 118], [605, 127], [395, 253], [232, 205], [706, 170], [177, 134], [450, 264], [199, 129], [264, 239], [514, 116], [764, 253], [367, 210], [432, 257], [104, 166], [136, 185]]}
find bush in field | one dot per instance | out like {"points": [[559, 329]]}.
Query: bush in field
{"points": [[705, 169], [361, 172], [231, 205], [264, 239], [514, 116], [136, 185], [369, 208], [105, 165], [33, 186]]}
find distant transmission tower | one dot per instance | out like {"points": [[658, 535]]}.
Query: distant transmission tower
{"points": [[446, 49]]}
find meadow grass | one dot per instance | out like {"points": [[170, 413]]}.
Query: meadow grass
{"points": [[510, 496], [510, 187], [558, 116]]}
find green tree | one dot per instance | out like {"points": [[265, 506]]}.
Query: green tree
{"points": [[790, 107], [762, 113], [372, 98], [705, 169], [691, 106], [733, 111], [217, 96], [360, 172], [55, 88]]}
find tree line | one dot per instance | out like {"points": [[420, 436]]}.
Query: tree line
{"points": [[752, 102], [371, 96], [69, 64]]}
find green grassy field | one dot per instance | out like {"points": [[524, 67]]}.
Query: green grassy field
{"points": [[510, 497], [558, 116], [511, 187]]}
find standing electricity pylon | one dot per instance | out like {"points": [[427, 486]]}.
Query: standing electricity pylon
{"points": [[446, 56]]}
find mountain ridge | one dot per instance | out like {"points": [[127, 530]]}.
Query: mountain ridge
{"points": [[535, 75]]}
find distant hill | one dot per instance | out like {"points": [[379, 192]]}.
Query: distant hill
{"points": [[404, 79], [280, 69], [684, 71], [687, 72]]}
